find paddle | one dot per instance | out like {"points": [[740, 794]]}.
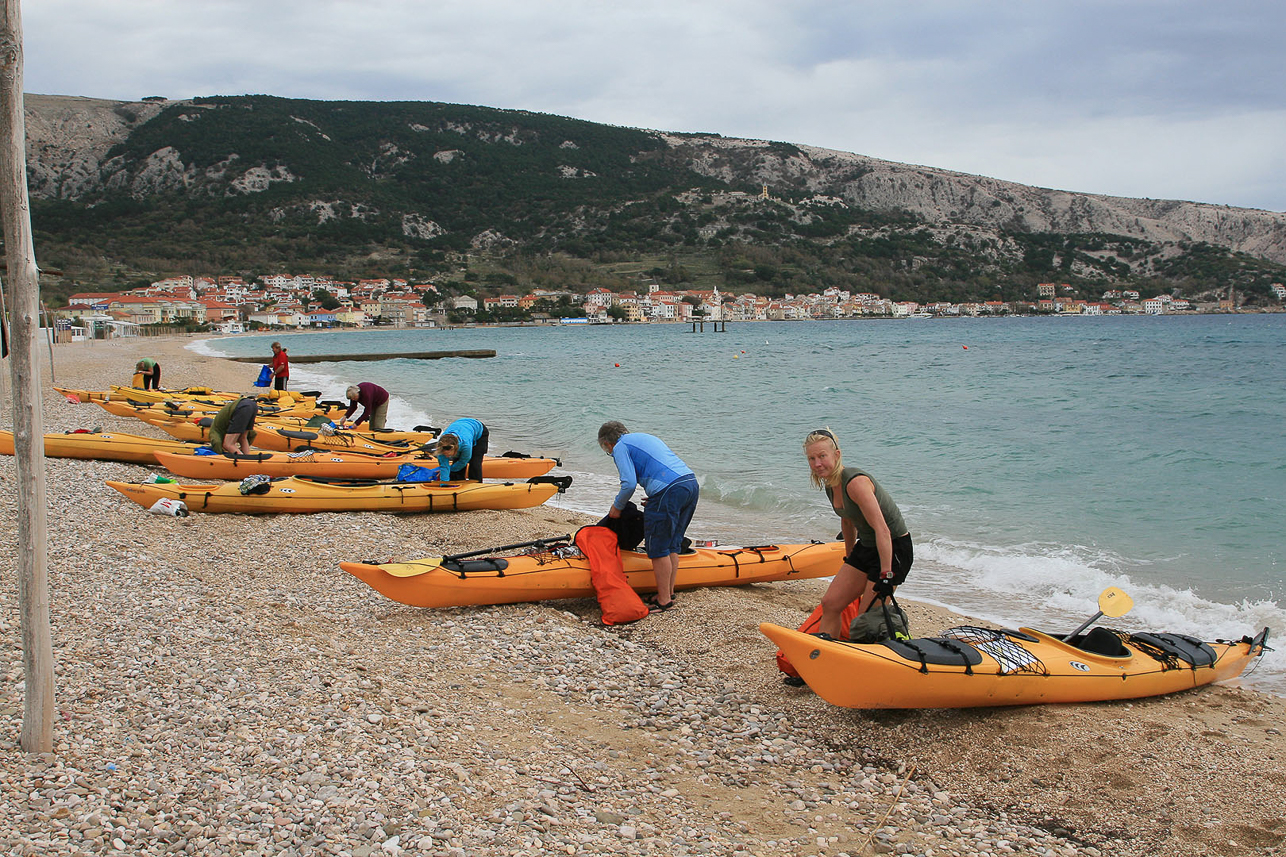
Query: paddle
{"points": [[1111, 602], [429, 563]]}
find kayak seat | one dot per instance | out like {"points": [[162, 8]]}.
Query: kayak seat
{"points": [[1101, 641], [467, 566], [298, 435], [1190, 650], [205, 422], [940, 651]]}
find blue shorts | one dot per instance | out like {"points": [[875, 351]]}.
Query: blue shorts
{"points": [[667, 515]]}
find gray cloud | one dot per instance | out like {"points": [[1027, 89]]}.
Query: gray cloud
{"points": [[1159, 98]]}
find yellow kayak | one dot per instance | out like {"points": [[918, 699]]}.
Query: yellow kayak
{"points": [[334, 464], [271, 436], [552, 571], [189, 408], [298, 494]]}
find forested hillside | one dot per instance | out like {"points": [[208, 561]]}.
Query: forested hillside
{"points": [[493, 200]]}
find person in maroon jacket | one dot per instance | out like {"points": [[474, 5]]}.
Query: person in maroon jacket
{"points": [[374, 401]]}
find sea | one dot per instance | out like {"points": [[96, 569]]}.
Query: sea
{"points": [[1037, 461]]}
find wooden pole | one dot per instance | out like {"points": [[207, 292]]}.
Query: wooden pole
{"points": [[28, 418]]}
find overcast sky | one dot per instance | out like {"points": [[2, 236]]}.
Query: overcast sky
{"points": [[1178, 99]]}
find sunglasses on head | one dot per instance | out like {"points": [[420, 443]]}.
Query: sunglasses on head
{"points": [[822, 433]]}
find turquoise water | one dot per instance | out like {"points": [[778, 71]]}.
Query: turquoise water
{"points": [[1037, 461]]}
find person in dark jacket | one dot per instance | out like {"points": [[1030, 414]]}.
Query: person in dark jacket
{"points": [[373, 400]]}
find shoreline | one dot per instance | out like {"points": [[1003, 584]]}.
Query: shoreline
{"points": [[252, 698]]}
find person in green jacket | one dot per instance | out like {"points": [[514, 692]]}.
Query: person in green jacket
{"points": [[875, 535], [151, 372], [232, 428]]}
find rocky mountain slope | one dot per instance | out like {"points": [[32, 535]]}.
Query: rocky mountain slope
{"points": [[254, 181]]}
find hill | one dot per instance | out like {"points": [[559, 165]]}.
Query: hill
{"points": [[501, 199]]}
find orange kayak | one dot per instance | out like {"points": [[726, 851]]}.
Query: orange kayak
{"points": [[971, 667], [552, 573], [102, 446]]}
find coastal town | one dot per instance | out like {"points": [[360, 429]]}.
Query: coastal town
{"points": [[233, 305]]}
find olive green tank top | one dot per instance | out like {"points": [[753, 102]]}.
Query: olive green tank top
{"points": [[865, 532]]}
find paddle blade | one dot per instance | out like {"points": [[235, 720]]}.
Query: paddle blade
{"points": [[1113, 602], [411, 569]]}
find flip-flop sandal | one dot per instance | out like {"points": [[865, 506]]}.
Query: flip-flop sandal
{"points": [[655, 606]]}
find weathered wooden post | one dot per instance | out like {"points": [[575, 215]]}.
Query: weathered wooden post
{"points": [[28, 418]]}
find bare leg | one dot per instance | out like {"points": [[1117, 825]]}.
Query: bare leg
{"points": [[665, 569], [848, 585]]}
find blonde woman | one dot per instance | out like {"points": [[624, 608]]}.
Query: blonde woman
{"points": [[876, 541]]}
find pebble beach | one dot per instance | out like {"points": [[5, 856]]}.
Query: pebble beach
{"points": [[224, 688]]}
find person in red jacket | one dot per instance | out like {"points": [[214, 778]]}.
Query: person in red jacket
{"points": [[280, 367]]}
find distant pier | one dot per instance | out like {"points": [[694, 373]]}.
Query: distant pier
{"points": [[714, 326], [336, 358]]}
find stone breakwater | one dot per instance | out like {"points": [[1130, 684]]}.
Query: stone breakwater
{"points": [[223, 688]]}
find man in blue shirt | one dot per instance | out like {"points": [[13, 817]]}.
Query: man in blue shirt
{"points": [[672, 492]]}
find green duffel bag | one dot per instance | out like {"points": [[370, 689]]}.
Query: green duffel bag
{"points": [[873, 625]]}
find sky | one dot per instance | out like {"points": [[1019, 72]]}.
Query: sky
{"points": [[1168, 99]]}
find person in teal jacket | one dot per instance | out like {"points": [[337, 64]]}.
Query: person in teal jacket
{"points": [[461, 447]]}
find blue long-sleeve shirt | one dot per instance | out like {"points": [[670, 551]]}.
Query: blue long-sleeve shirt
{"points": [[469, 431], [642, 459]]}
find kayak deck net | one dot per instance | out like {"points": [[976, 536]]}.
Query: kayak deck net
{"points": [[1012, 658]]}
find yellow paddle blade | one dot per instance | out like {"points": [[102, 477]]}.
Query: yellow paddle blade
{"points": [[1113, 602], [411, 569]]}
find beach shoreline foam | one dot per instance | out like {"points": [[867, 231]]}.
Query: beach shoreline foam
{"points": [[222, 683]]}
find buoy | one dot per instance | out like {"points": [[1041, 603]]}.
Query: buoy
{"points": [[618, 365], [966, 348], [736, 357]]}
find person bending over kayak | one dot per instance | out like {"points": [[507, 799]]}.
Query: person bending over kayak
{"points": [[151, 372], [374, 401], [460, 449], [876, 541], [232, 428], [672, 493]]}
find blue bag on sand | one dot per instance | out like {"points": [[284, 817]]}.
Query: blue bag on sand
{"points": [[416, 473], [265, 376]]}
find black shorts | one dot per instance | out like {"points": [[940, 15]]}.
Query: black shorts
{"points": [[243, 416], [866, 558], [474, 470]]}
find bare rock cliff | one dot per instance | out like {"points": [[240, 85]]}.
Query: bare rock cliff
{"points": [[943, 197], [69, 137]]}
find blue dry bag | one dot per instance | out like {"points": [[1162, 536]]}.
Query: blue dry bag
{"points": [[265, 376], [416, 473]]}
